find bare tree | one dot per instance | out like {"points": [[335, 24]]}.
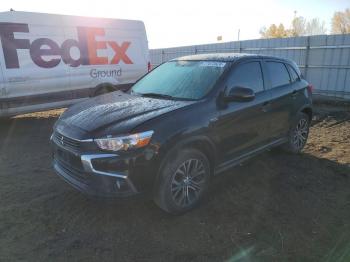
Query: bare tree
{"points": [[315, 27], [341, 22], [298, 26], [274, 31]]}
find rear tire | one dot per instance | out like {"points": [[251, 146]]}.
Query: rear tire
{"points": [[298, 134], [183, 181]]}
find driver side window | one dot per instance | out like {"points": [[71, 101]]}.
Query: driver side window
{"points": [[247, 75]]}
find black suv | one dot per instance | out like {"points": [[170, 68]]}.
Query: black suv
{"points": [[186, 121]]}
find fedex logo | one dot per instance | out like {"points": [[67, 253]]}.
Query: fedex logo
{"points": [[48, 48]]}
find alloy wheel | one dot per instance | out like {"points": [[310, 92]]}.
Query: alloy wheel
{"points": [[187, 182], [300, 133]]}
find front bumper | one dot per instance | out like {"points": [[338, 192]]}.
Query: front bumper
{"points": [[99, 174]]}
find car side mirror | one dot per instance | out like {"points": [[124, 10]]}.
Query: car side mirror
{"points": [[240, 94]]}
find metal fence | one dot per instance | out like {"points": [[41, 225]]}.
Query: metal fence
{"points": [[324, 60]]}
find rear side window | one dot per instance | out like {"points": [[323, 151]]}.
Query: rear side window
{"points": [[278, 74], [247, 75], [293, 75]]}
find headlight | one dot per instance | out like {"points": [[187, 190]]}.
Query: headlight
{"points": [[125, 142]]}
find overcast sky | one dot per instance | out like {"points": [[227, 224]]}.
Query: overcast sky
{"points": [[186, 22]]}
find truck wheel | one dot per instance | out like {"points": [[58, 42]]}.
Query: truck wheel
{"points": [[183, 181], [298, 134]]}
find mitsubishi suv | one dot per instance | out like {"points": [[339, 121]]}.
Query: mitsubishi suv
{"points": [[180, 125]]}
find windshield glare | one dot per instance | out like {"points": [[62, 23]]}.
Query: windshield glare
{"points": [[181, 79]]}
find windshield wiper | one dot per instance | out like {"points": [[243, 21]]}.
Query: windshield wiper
{"points": [[156, 95]]}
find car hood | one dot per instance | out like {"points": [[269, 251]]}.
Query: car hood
{"points": [[113, 112]]}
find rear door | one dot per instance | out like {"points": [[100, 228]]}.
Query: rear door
{"points": [[244, 126], [280, 86], [298, 87], [2, 84]]}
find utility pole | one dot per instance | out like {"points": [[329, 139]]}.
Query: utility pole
{"points": [[239, 31]]}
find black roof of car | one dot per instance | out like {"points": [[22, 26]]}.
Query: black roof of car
{"points": [[224, 57]]}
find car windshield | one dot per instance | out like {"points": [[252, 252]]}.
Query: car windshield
{"points": [[180, 80]]}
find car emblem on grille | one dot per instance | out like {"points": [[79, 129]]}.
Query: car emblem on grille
{"points": [[61, 140]]}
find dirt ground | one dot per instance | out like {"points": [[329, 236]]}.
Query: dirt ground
{"points": [[276, 207]]}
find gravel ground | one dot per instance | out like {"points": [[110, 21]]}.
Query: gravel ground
{"points": [[276, 207]]}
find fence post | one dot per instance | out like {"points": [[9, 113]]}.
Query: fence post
{"points": [[307, 53], [162, 57]]}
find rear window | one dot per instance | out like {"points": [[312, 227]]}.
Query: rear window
{"points": [[293, 75], [278, 74]]}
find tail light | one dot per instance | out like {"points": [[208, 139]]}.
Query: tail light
{"points": [[310, 88], [149, 66]]}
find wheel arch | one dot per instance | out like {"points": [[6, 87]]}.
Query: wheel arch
{"points": [[202, 143], [308, 111], [206, 146]]}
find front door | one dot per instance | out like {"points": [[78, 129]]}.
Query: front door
{"points": [[244, 126]]}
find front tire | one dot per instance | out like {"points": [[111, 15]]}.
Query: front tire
{"points": [[298, 134], [183, 181]]}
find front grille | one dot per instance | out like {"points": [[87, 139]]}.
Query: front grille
{"points": [[66, 142], [72, 172], [70, 164]]}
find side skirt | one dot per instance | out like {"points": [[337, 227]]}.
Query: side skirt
{"points": [[236, 161]]}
